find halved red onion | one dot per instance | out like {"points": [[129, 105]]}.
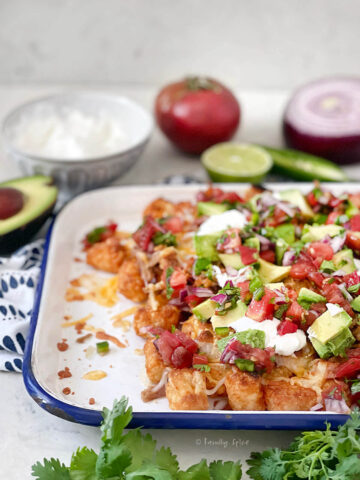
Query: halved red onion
{"points": [[323, 118], [289, 258], [220, 298]]}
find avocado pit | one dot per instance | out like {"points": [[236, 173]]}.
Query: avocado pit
{"points": [[11, 202]]}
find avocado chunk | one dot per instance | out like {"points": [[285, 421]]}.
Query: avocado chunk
{"points": [[355, 304], [286, 232], [204, 310], [270, 273], [344, 260], [315, 233], [211, 208], [335, 347], [232, 315], [280, 248], [231, 260], [330, 334], [307, 297], [295, 197], [39, 197], [205, 246], [253, 242]]}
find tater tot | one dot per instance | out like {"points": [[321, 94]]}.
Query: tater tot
{"points": [[159, 208], [153, 362], [106, 256], [130, 282], [214, 376], [244, 390], [283, 396], [164, 317], [186, 390]]}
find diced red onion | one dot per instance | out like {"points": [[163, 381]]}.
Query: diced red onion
{"points": [[267, 200], [265, 243], [338, 406], [289, 258], [219, 298], [287, 208], [338, 273], [280, 298], [200, 291], [336, 243], [323, 118], [231, 271], [230, 283], [342, 288], [318, 406], [183, 294]]}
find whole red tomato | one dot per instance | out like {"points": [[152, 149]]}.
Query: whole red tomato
{"points": [[196, 113]]}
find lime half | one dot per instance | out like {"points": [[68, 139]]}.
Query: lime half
{"points": [[236, 162]]}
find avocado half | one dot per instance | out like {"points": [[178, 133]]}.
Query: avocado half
{"points": [[39, 198]]}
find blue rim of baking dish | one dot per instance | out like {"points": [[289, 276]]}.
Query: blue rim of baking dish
{"points": [[178, 420]]}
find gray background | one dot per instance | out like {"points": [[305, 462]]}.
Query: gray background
{"points": [[249, 44]]}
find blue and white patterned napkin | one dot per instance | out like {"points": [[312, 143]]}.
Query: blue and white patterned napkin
{"points": [[18, 278]]}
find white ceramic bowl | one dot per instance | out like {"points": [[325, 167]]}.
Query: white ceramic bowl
{"points": [[76, 176]]}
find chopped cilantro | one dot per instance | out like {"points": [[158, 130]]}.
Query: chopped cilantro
{"points": [[167, 238], [95, 235], [201, 265], [255, 338], [354, 288]]}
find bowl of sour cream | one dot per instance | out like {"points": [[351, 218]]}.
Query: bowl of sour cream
{"points": [[83, 140]]}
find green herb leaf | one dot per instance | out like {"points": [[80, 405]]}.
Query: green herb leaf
{"points": [[169, 289], [202, 367], [196, 472], [95, 235], [255, 338], [225, 470], [202, 264], [83, 464], [167, 238], [51, 469]]}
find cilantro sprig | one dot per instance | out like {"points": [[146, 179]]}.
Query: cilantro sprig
{"points": [[130, 456]]}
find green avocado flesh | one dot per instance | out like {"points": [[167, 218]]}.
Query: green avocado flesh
{"points": [[39, 199]]}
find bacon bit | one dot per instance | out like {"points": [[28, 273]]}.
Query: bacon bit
{"points": [[149, 394], [66, 391], [138, 351], [67, 317], [79, 327], [104, 336], [83, 338], [64, 373], [75, 322], [91, 401], [76, 282], [78, 260], [94, 375], [72, 393], [62, 346]]}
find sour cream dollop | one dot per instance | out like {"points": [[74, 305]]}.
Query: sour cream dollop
{"points": [[222, 221], [283, 344]]}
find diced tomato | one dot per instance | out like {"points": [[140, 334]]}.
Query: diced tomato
{"points": [[348, 368], [166, 344], [231, 241], [317, 278], [144, 234], [334, 295], [295, 312], [355, 199], [176, 349], [311, 315], [181, 358], [244, 290], [173, 224], [353, 353], [335, 393], [263, 309], [219, 196], [262, 358], [277, 218], [353, 240], [320, 251], [334, 202], [355, 223], [178, 279], [351, 279], [248, 255], [200, 359], [193, 300], [301, 270], [186, 341], [268, 256], [286, 327], [312, 200], [332, 218]]}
